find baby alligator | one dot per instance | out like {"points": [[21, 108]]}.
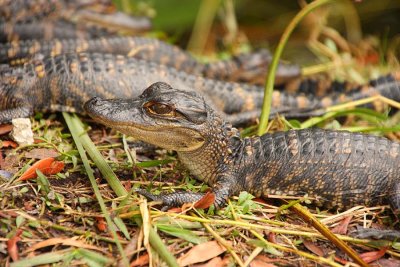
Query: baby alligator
{"points": [[243, 68], [338, 169], [66, 82], [49, 19]]}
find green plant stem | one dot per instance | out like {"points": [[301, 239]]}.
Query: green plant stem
{"points": [[109, 175], [269, 87], [75, 127], [306, 215], [202, 25]]}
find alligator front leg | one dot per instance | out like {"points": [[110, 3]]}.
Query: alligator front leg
{"points": [[19, 112], [222, 190]]}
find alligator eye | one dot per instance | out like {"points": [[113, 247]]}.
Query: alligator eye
{"points": [[159, 109]]}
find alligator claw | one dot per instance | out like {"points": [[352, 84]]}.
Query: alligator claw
{"points": [[369, 233], [171, 200]]}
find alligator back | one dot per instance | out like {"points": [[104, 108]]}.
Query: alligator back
{"points": [[337, 168], [67, 81]]}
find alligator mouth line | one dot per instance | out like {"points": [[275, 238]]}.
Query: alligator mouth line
{"points": [[116, 124]]}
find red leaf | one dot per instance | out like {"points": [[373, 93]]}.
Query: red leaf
{"points": [[341, 228], [12, 245], [101, 224], [55, 168], [141, 261], [5, 128], [9, 144], [46, 166], [127, 185], [313, 248], [340, 260], [206, 201], [371, 58], [373, 255], [271, 237]]}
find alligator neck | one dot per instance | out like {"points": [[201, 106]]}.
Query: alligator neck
{"points": [[214, 157]]}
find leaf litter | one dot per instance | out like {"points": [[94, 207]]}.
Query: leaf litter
{"points": [[70, 226]]}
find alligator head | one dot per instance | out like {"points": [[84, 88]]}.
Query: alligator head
{"points": [[162, 116]]}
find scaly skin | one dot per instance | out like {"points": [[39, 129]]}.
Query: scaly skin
{"points": [[338, 169], [17, 10], [49, 19], [65, 82], [245, 67], [322, 85], [47, 30]]}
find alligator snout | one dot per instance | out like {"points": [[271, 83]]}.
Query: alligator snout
{"points": [[91, 104], [93, 101]]}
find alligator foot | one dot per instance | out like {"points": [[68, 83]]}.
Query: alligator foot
{"points": [[7, 115], [222, 191], [171, 200]]}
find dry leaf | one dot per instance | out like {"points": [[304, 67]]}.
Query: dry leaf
{"points": [[175, 210], [341, 228], [373, 255], [12, 245], [206, 201], [260, 200], [391, 262], [9, 144], [266, 260], [6, 128], [271, 237], [201, 253], [41, 153], [9, 163], [340, 260], [141, 261], [313, 248], [64, 241], [215, 262], [101, 224], [258, 263], [46, 166]]}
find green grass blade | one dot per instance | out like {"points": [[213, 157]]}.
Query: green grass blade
{"points": [[109, 175], [45, 258], [185, 234], [269, 87], [76, 129]]}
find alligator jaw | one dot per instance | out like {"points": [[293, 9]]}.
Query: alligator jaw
{"points": [[129, 117]]}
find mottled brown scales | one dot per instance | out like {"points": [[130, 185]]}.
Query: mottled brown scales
{"points": [[244, 67], [82, 76], [338, 169], [48, 19]]}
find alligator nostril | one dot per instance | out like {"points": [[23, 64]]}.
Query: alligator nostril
{"points": [[88, 106], [94, 101]]}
